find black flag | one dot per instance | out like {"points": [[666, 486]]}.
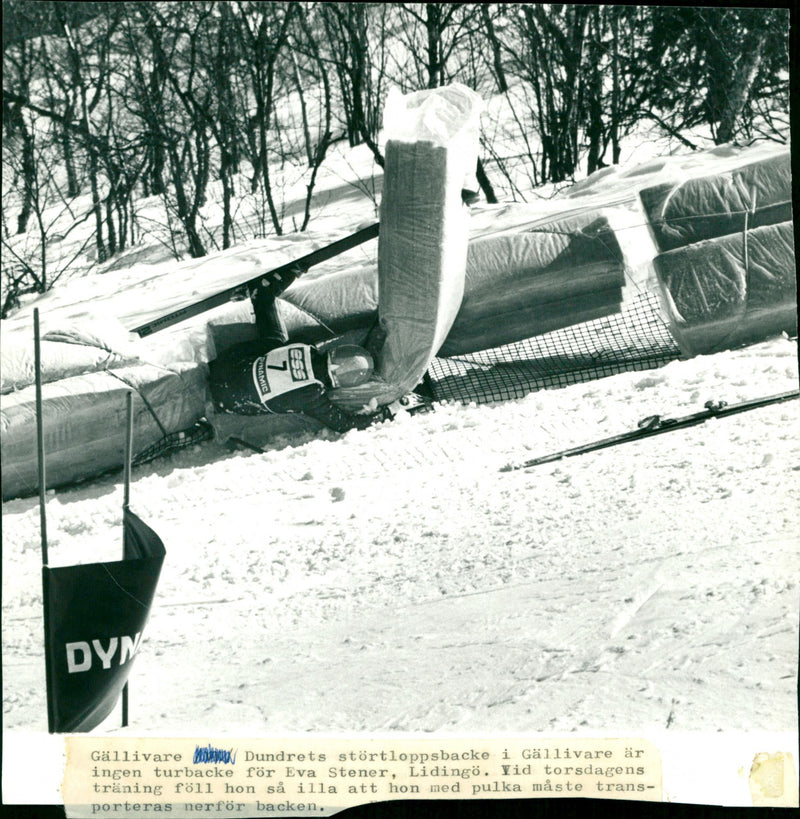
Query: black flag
{"points": [[95, 614]]}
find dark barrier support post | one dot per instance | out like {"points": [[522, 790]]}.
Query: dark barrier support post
{"points": [[128, 448]]}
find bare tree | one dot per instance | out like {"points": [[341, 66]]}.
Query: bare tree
{"points": [[171, 32], [746, 70], [348, 33], [264, 32], [34, 260], [435, 35], [60, 88], [89, 85], [171, 97], [20, 61], [488, 13], [315, 148], [617, 38], [715, 66]]}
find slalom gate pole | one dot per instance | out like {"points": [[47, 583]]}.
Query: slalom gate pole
{"points": [[48, 670], [125, 505], [655, 425], [128, 448], [37, 355]]}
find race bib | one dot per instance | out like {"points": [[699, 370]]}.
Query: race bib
{"points": [[283, 370]]}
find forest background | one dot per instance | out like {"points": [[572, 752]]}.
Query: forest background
{"points": [[110, 107]]}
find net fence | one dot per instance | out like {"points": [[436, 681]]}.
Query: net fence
{"points": [[174, 441], [635, 338]]}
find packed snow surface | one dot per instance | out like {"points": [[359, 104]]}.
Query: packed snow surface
{"points": [[395, 579]]}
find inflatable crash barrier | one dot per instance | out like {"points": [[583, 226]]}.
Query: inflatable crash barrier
{"points": [[86, 373], [751, 196], [537, 281], [84, 422], [577, 287], [731, 290], [704, 242], [514, 286]]}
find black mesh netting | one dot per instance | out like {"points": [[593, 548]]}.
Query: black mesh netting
{"points": [[636, 338]]}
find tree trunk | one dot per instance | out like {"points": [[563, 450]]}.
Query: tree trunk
{"points": [[28, 171], [616, 106], [298, 83], [227, 200], [86, 123], [110, 229], [433, 29], [749, 63], [595, 129], [186, 212], [486, 185], [326, 138], [153, 95], [158, 161], [494, 44], [73, 188], [96, 203]]}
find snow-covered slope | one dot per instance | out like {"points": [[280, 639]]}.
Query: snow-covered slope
{"points": [[395, 579]]}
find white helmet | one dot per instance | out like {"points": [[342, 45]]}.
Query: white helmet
{"points": [[349, 365]]}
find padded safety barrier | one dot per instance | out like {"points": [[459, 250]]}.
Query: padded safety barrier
{"points": [[430, 157], [84, 422], [525, 284], [754, 195], [731, 290]]}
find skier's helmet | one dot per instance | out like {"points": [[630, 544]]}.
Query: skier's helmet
{"points": [[349, 365]]}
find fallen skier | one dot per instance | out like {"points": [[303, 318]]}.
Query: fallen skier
{"points": [[269, 375]]}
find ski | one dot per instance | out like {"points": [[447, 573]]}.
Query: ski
{"points": [[277, 280], [410, 404], [656, 425]]}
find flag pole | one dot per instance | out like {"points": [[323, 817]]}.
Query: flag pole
{"points": [[48, 668], [37, 354], [128, 448], [125, 505]]}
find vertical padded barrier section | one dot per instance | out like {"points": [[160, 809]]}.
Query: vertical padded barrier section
{"points": [[422, 260], [430, 157]]}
